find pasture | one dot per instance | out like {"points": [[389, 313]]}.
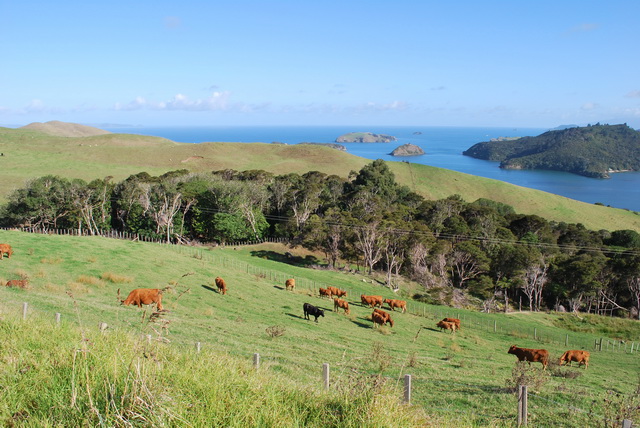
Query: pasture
{"points": [[461, 379]]}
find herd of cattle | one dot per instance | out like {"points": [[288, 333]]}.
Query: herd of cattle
{"points": [[379, 317]]}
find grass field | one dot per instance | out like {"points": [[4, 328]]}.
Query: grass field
{"points": [[29, 154], [459, 380]]}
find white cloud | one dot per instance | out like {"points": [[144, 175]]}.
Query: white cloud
{"points": [[589, 106], [215, 102], [633, 94]]}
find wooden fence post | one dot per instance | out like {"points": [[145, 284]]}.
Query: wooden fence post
{"points": [[600, 345], [566, 340], [25, 305], [148, 338], [58, 318], [102, 326], [626, 423], [535, 333], [522, 405], [198, 347], [495, 326], [407, 389], [325, 375], [256, 361]]}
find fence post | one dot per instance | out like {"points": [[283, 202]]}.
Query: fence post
{"points": [[407, 389], [256, 361], [522, 405], [25, 305], [626, 423], [566, 340], [58, 318], [148, 338], [600, 345], [495, 326], [103, 326], [198, 347], [325, 375]]}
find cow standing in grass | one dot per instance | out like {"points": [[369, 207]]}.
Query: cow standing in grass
{"points": [[143, 296], [371, 301], [5, 249], [394, 303], [445, 325], [339, 303], [309, 309], [580, 357], [529, 355], [222, 286], [290, 284]]}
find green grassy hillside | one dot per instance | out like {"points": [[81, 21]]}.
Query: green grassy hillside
{"points": [[29, 154], [460, 380]]}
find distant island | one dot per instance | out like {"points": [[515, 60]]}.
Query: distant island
{"points": [[407, 150], [591, 151], [365, 137]]}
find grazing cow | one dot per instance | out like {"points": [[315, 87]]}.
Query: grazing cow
{"points": [[339, 303], [5, 248], [371, 301], [380, 319], [456, 321], [581, 357], [309, 309], [445, 325], [20, 283], [337, 292], [290, 284], [143, 296], [393, 303], [529, 355], [222, 286], [324, 292], [384, 315]]}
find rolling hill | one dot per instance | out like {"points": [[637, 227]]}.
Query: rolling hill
{"points": [[29, 153]]}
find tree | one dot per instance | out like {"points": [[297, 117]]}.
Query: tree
{"points": [[534, 280], [466, 262], [44, 203]]}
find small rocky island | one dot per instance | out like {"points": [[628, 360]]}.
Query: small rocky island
{"points": [[365, 137], [407, 150]]}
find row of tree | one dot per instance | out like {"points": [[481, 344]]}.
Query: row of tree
{"points": [[482, 248]]}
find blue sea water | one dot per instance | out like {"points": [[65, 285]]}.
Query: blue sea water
{"points": [[443, 147]]}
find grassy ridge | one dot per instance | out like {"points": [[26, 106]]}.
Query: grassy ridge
{"points": [[459, 380], [29, 154]]}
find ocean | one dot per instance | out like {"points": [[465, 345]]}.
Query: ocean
{"points": [[443, 148]]}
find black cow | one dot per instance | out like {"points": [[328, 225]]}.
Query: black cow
{"points": [[309, 309]]}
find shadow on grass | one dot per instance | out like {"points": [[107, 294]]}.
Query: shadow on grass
{"points": [[287, 258], [366, 324], [209, 288], [295, 316], [278, 287]]}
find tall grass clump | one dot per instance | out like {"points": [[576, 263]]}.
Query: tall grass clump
{"points": [[68, 376]]}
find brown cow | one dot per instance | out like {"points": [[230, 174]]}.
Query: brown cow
{"points": [[393, 304], [581, 357], [445, 325], [290, 284], [339, 303], [143, 296], [222, 286], [456, 321], [337, 292], [529, 355], [371, 301], [5, 248], [21, 283], [378, 317], [324, 292]]}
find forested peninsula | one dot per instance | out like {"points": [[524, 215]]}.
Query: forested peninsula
{"points": [[592, 151]]}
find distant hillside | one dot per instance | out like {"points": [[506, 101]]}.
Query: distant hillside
{"points": [[65, 129], [592, 151], [29, 154]]}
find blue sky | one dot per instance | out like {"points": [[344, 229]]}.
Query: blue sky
{"points": [[429, 63]]}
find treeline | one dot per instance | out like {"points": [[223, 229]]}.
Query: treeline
{"points": [[482, 249]]}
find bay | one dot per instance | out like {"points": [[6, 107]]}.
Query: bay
{"points": [[443, 148]]}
